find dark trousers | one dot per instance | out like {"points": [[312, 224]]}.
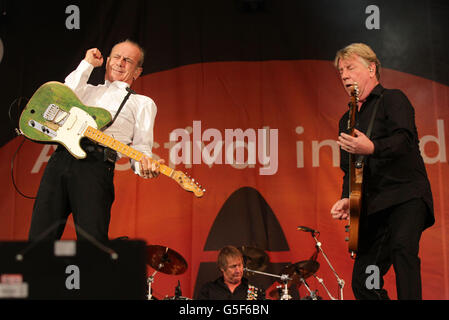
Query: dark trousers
{"points": [[83, 187], [390, 237]]}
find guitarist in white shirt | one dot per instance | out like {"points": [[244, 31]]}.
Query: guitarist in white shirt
{"points": [[85, 187]]}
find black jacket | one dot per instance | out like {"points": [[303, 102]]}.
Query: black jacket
{"points": [[395, 172]]}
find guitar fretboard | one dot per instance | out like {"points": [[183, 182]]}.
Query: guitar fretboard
{"points": [[124, 149]]}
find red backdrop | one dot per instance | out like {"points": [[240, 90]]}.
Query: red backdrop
{"points": [[301, 102]]}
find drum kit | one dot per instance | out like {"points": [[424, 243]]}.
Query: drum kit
{"points": [[165, 260], [292, 276]]}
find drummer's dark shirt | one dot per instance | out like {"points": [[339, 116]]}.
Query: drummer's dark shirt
{"points": [[395, 172], [218, 290]]}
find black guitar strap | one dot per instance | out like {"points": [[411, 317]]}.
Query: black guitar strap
{"points": [[361, 158], [130, 91]]}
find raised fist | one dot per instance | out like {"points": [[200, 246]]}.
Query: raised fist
{"points": [[94, 57]]}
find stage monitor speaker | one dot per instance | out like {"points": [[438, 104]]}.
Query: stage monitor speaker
{"points": [[73, 270]]}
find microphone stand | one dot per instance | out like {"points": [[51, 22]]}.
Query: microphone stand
{"points": [[320, 280], [341, 282]]}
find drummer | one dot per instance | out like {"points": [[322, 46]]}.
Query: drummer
{"points": [[231, 285]]}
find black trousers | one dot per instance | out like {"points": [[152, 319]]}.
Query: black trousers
{"points": [[83, 187], [390, 238]]}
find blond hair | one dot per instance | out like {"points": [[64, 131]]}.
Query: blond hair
{"points": [[225, 253], [362, 50]]}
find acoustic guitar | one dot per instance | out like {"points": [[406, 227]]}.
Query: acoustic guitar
{"points": [[54, 114], [355, 179]]}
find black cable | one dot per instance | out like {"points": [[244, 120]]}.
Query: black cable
{"points": [[12, 172], [18, 102]]}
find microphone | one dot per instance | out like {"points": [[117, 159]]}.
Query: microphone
{"points": [[306, 229]]}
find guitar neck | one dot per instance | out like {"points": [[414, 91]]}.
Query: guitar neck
{"points": [[100, 137]]}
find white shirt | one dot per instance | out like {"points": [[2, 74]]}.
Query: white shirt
{"points": [[135, 123]]}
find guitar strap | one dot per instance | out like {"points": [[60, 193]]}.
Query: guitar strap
{"points": [[361, 158], [130, 91]]}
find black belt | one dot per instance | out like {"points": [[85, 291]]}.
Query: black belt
{"points": [[108, 154]]}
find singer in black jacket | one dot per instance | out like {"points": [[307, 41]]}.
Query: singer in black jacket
{"points": [[397, 201]]}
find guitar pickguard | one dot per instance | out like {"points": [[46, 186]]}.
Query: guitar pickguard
{"points": [[72, 131]]}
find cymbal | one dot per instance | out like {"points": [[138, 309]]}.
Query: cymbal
{"points": [[254, 258], [165, 260], [301, 269]]}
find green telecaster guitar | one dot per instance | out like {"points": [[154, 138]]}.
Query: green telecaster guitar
{"points": [[55, 114]]}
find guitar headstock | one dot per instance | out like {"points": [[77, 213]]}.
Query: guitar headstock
{"points": [[353, 107], [188, 183], [355, 93]]}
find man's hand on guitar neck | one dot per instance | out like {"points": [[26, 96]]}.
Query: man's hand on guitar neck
{"points": [[340, 210], [357, 144], [150, 168]]}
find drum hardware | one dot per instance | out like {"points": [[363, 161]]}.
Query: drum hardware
{"points": [[312, 294], [341, 282], [320, 280], [254, 258], [164, 260], [300, 271], [285, 295], [150, 281], [176, 298], [283, 277], [178, 294]]}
